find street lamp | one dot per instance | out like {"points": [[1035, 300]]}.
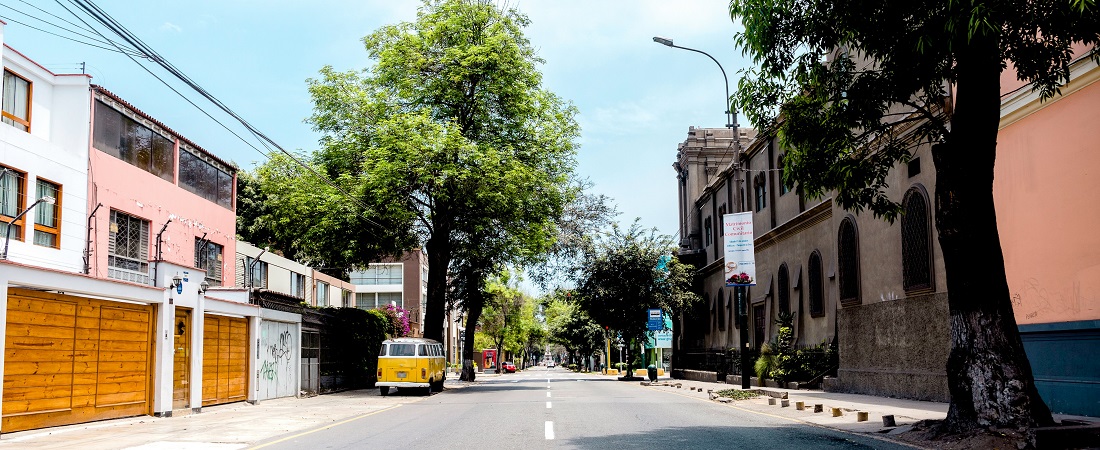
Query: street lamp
{"points": [[739, 291], [7, 234], [731, 118]]}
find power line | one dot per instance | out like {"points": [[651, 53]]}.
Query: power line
{"points": [[105, 19], [9, 19]]}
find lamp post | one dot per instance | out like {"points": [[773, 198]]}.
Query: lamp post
{"points": [[739, 291], [7, 234]]}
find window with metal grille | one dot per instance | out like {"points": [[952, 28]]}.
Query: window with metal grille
{"points": [[916, 241], [817, 290], [128, 248], [848, 262], [12, 202], [17, 101], [208, 256], [784, 290]]}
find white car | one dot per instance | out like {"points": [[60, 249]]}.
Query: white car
{"points": [[550, 364]]}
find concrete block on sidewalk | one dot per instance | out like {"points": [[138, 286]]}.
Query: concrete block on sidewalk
{"points": [[888, 421], [784, 403], [771, 400], [861, 416], [837, 412], [801, 406], [819, 408]]}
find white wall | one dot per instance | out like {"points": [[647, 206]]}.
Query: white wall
{"points": [[56, 149], [278, 376], [279, 270]]}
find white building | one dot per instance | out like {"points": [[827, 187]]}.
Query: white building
{"points": [[44, 153]]}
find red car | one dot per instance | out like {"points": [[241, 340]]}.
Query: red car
{"points": [[508, 367]]}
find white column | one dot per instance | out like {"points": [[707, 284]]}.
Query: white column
{"points": [[164, 350], [198, 331]]}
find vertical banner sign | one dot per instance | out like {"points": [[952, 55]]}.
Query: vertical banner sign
{"points": [[740, 257], [655, 322]]}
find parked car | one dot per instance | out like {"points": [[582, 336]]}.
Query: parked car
{"points": [[411, 363], [550, 364], [508, 367]]}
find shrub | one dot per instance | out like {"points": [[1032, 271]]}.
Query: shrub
{"points": [[766, 363]]}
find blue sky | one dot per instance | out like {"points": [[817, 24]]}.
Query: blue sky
{"points": [[636, 97]]}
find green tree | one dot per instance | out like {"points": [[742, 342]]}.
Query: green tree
{"points": [[451, 138], [290, 208], [620, 280], [844, 76]]}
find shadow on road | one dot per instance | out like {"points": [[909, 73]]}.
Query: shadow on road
{"points": [[791, 436]]}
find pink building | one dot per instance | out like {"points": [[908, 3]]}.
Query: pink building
{"points": [[160, 198], [1046, 189]]}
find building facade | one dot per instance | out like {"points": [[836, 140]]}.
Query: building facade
{"points": [[878, 289], [1044, 184], [116, 299], [835, 272]]}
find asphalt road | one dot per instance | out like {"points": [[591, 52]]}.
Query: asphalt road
{"points": [[555, 408]]}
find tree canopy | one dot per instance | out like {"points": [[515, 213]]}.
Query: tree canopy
{"points": [[452, 141], [851, 87], [620, 280]]}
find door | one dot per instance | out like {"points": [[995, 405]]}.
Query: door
{"points": [[224, 360], [311, 362], [181, 365], [72, 359], [758, 318], [278, 346]]}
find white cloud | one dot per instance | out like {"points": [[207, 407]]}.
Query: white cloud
{"points": [[169, 26]]}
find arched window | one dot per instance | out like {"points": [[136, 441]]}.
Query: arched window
{"points": [[848, 262], [816, 288], [784, 290], [916, 241], [760, 189]]}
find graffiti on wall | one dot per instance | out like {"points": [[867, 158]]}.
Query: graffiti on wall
{"points": [[277, 349]]}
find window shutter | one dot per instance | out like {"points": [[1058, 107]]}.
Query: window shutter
{"points": [[144, 243]]}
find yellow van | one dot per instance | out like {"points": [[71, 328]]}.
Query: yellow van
{"points": [[411, 363]]}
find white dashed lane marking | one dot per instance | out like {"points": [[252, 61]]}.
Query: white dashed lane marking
{"points": [[549, 430], [548, 405]]}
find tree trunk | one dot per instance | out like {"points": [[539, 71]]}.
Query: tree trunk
{"points": [[473, 313], [988, 374], [439, 261]]}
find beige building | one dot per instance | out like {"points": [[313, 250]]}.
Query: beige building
{"points": [[830, 268]]}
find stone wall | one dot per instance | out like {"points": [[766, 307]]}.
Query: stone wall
{"points": [[895, 348]]}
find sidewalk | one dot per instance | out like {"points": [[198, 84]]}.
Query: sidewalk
{"points": [[223, 427], [904, 412]]}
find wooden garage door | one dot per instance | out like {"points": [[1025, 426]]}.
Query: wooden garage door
{"points": [[72, 359], [224, 360]]}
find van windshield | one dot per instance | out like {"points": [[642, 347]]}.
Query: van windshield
{"points": [[402, 350]]}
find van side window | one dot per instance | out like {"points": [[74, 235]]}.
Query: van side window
{"points": [[402, 349], [423, 350], [382, 351]]}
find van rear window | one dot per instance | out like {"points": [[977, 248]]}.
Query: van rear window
{"points": [[402, 350]]}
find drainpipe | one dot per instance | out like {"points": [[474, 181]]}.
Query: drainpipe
{"points": [[88, 243], [157, 265]]}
